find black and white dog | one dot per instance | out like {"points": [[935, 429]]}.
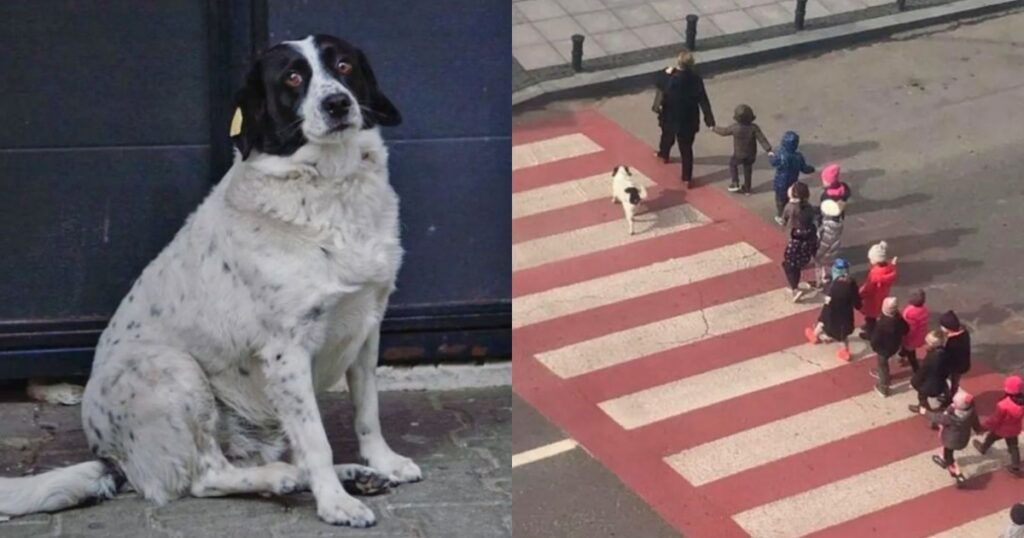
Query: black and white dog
{"points": [[206, 378], [627, 193]]}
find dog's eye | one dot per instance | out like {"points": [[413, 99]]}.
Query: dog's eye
{"points": [[343, 67], [294, 80]]}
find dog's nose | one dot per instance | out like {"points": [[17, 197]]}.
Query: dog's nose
{"points": [[337, 105]]}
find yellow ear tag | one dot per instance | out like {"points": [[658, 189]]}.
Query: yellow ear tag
{"points": [[236, 122]]}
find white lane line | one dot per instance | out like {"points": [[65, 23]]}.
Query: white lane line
{"points": [[604, 236], [718, 385], [552, 149], [785, 437], [543, 452], [861, 494], [569, 193], [665, 334], [557, 302], [990, 526]]}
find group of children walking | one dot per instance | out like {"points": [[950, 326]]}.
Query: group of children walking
{"points": [[814, 238]]}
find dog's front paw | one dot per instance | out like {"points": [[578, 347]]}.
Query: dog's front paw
{"points": [[283, 478], [344, 510], [363, 480], [400, 468]]}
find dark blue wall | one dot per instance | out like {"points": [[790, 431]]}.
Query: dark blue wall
{"points": [[115, 127]]}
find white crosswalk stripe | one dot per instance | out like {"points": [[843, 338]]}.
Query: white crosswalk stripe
{"points": [[552, 149], [569, 193]]}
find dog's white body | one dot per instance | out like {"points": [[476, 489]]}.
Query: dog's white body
{"points": [[206, 376], [622, 180]]}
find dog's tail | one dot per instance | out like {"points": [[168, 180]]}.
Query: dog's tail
{"points": [[59, 489]]}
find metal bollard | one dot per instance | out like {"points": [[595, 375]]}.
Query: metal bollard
{"points": [[801, 12], [691, 32], [577, 53]]}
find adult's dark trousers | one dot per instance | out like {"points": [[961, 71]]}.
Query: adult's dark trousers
{"points": [[748, 170], [911, 356], [1011, 446], [954, 383], [684, 138]]}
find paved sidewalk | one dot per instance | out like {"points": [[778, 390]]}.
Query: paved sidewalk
{"points": [[625, 32], [461, 440]]}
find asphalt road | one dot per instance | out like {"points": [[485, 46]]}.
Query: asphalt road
{"points": [[929, 130]]}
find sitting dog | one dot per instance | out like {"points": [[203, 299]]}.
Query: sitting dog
{"points": [[275, 288], [627, 193]]}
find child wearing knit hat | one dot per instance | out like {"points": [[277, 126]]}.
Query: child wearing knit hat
{"points": [[881, 277], [916, 315], [830, 234], [956, 424], [1016, 528], [1005, 423], [833, 188], [886, 341], [835, 322], [930, 379]]}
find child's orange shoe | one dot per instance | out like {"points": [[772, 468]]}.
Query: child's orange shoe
{"points": [[811, 337], [843, 354]]}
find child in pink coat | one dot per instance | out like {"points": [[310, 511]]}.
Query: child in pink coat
{"points": [[916, 315]]}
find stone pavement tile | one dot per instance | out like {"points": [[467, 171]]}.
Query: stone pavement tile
{"points": [[591, 50], [526, 34], [517, 16], [705, 28], [710, 7], [461, 520], [618, 41], [621, 3], [843, 6], [874, 3], [560, 28], [770, 15], [636, 16], [537, 56], [815, 9], [672, 10], [658, 35], [120, 518], [28, 526], [580, 6], [753, 3], [599, 22], [538, 10], [734, 21]]}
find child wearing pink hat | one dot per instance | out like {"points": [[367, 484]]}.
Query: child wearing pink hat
{"points": [[1005, 423], [833, 188], [955, 426]]}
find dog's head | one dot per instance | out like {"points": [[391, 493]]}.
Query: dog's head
{"points": [[621, 169], [310, 91], [634, 195]]}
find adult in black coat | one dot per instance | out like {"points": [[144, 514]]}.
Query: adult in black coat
{"points": [[958, 347], [683, 98]]}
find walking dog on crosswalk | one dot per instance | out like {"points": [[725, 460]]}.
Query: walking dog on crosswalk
{"points": [[627, 193]]}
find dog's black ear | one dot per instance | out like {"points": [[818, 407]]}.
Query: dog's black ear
{"points": [[251, 100], [377, 108], [615, 170], [628, 173]]}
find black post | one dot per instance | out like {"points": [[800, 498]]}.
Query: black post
{"points": [[901, 4], [691, 32], [577, 53], [801, 11]]}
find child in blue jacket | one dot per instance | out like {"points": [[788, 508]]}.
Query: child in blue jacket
{"points": [[788, 164]]}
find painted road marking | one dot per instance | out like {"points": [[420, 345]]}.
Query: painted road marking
{"points": [[844, 500], [552, 149], [685, 395], [604, 236], [542, 452], [990, 526], [659, 276], [570, 193], [764, 444], [665, 334]]}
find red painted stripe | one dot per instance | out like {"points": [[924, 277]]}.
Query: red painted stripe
{"points": [[589, 213], [589, 324], [637, 254], [837, 460], [677, 502], [936, 511], [564, 170]]}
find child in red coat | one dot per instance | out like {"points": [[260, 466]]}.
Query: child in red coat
{"points": [[1005, 423], [916, 315], [875, 289]]}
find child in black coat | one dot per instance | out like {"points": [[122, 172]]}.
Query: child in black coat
{"points": [[886, 341], [930, 379], [957, 422]]}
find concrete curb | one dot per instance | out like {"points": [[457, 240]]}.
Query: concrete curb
{"points": [[440, 377], [597, 83]]}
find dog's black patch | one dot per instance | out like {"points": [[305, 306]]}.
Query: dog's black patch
{"points": [[634, 195], [624, 167]]}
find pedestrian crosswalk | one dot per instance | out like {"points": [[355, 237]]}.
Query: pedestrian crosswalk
{"points": [[676, 358]]}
